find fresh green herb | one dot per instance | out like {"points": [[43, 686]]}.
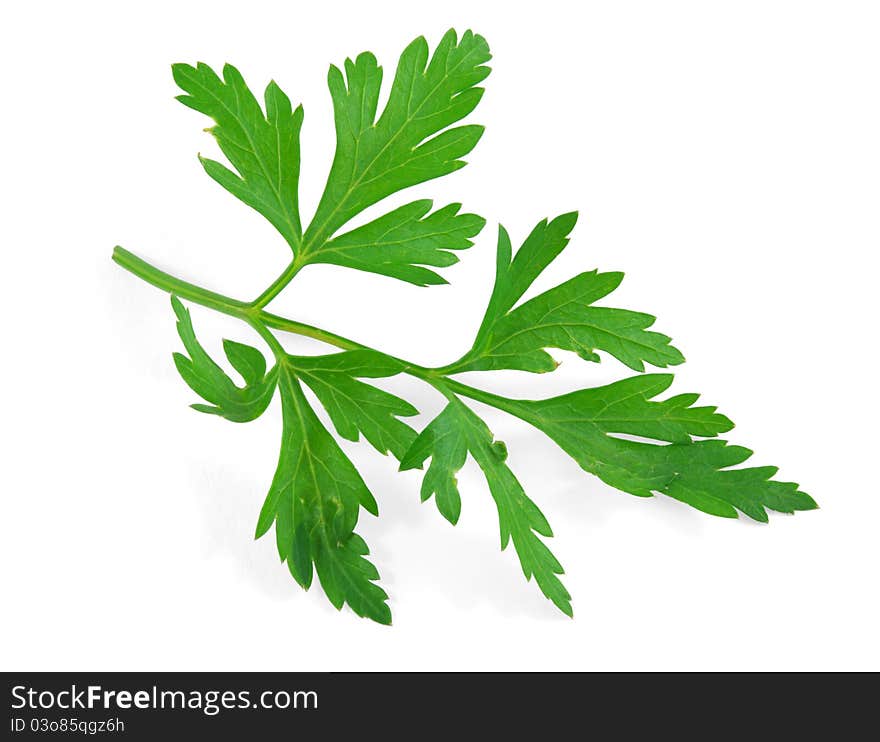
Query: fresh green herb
{"points": [[619, 432]]}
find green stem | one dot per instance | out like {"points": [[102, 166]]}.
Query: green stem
{"points": [[450, 368], [277, 286], [173, 285], [493, 400], [261, 329], [284, 324], [261, 321]]}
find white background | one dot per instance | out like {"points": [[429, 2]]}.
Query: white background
{"points": [[724, 155]]}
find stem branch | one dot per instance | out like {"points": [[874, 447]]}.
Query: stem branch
{"points": [[261, 321], [277, 286]]}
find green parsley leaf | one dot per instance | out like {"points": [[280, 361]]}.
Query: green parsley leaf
{"points": [[411, 141], [563, 317], [245, 359], [314, 502], [589, 425], [454, 433], [356, 407], [263, 148], [401, 242], [210, 382], [347, 577]]}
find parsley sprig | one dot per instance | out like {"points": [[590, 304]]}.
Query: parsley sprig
{"points": [[620, 432]]}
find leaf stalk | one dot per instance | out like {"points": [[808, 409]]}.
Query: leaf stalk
{"points": [[262, 322]]}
